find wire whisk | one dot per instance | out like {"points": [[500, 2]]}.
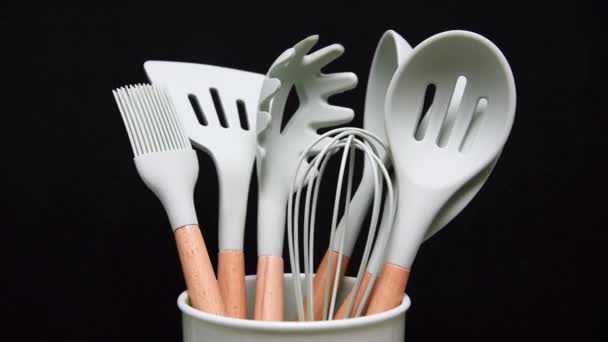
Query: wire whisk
{"points": [[345, 141]]}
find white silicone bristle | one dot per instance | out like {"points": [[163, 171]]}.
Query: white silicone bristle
{"points": [[150, 119]]}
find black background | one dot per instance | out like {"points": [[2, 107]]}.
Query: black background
{"points": [[86, 250]]}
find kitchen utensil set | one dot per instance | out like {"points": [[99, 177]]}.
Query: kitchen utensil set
{"points": [[435, 122]]}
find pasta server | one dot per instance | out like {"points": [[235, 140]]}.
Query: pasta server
{"points": [[279, 150]]}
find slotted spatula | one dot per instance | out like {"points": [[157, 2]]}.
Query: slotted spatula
{"points": [[218, 107]]}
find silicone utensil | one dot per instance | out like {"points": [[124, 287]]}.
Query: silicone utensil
{"points": [[391, 51], [279, 151], [167, 164], [218, 107], [348, 140], [431, 166]]}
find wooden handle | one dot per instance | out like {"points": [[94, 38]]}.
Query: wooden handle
{"points": [[203, 289], [389, 289], [231, 277], [259, 287], [269, 298], [319, 282], [341, 314]]}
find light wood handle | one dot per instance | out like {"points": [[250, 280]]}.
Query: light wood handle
{"points": [[231, 277], [259, 287], [389, 289], [203, 289], [319, 282], [341, 314], [269, 298]]}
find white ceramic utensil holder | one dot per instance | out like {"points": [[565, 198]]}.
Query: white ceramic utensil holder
{"points": [[199, 326]]}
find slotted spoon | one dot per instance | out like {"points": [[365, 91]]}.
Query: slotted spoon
{"points": [[434, 165]]}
